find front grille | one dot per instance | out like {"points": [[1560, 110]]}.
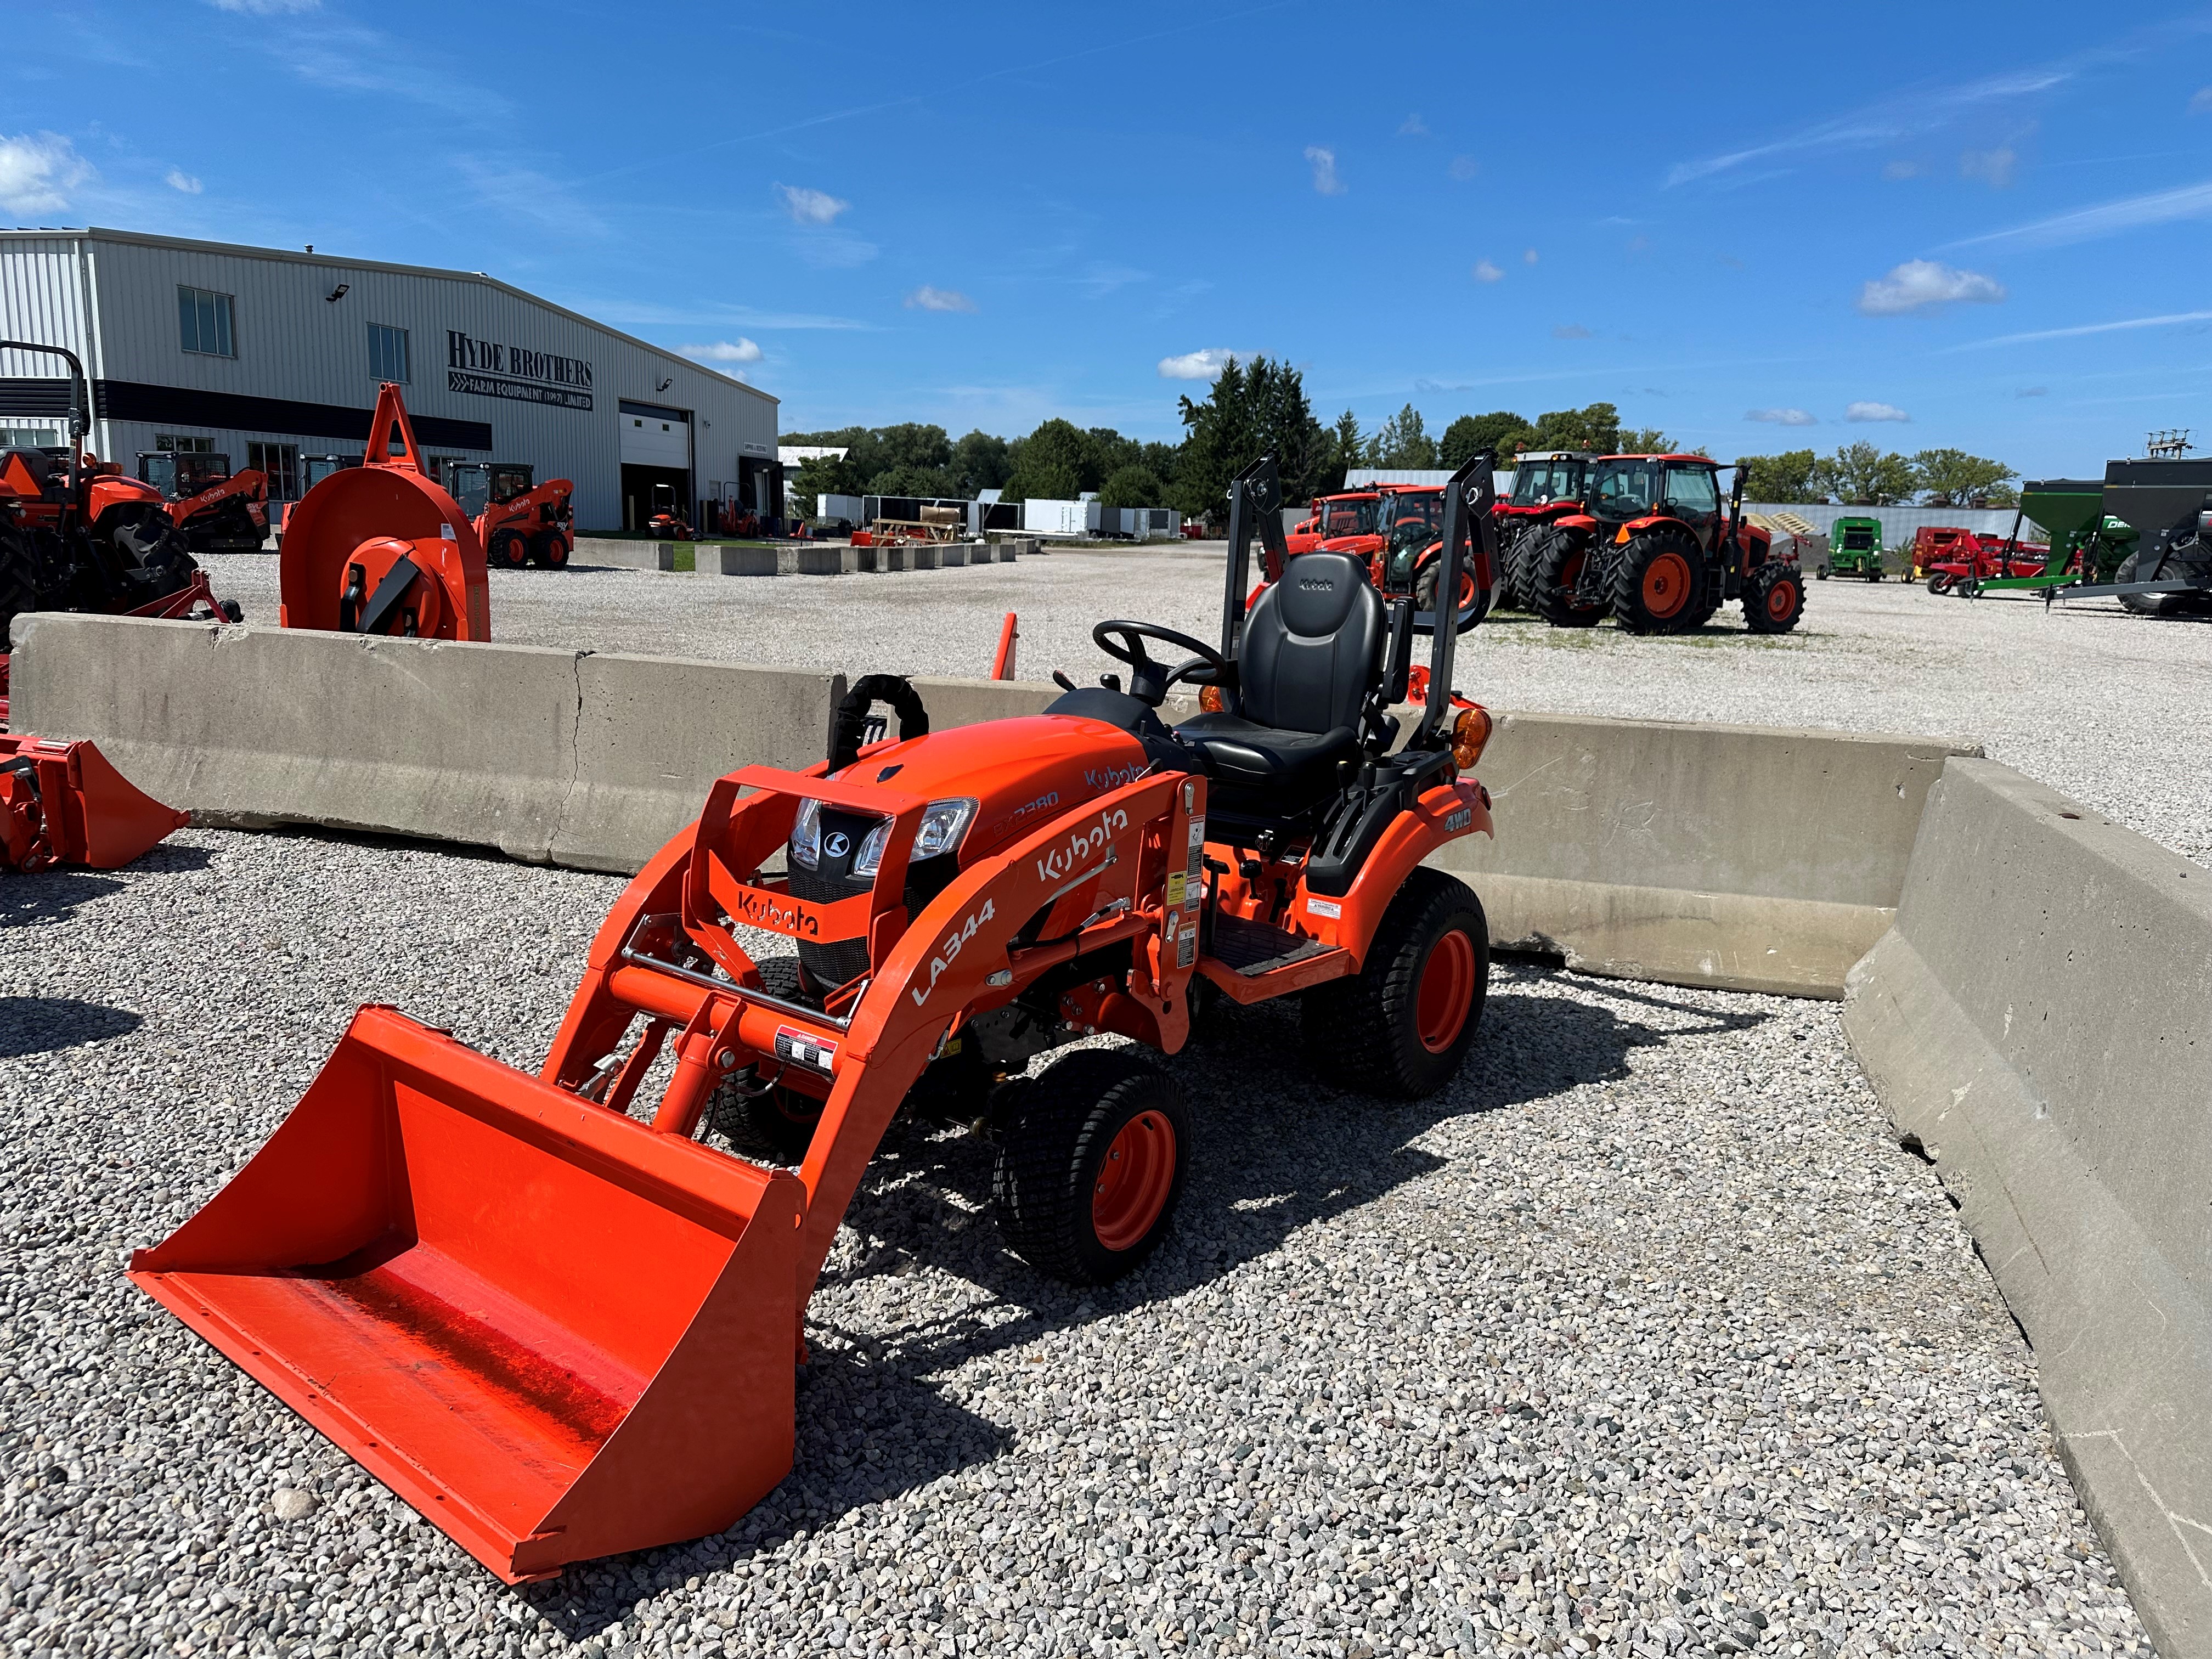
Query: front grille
{"points": [[830, 965]]}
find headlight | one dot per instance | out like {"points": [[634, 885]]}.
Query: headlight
{"points": [[943, 823], [806, 834]]}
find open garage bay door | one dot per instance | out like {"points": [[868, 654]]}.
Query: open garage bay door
{"points": [[656, 449]]}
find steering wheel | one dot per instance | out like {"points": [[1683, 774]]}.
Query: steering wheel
{"points": [[1148, 680]]}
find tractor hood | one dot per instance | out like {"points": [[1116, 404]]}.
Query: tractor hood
{"points": [[1019, 772]]}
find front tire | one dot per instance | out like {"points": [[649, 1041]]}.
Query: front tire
{"points": [[509, 551], [551, 549], [1657, 583], [1551, 567], [1773, 598], [1401, 1025], [1092, 1165]]}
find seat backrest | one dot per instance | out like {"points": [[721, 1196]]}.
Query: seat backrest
{"points": [[1312, 647]]}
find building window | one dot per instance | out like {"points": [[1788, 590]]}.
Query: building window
{"points": [[181, 443], [280, 465], [387, 353], [204, 320], [30, 437]]}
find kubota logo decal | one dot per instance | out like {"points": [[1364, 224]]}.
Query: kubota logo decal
{"points": [[838, 845], [1315, 584], [1082, 846], [948, 952], [761, 910], [1112, 777]]}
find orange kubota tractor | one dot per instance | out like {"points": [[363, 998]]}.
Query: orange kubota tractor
{"points": [[217, 510], [76, 535], [1652, 547], [381, 548], [561, 1325], [519, 523], [1349, 513]]}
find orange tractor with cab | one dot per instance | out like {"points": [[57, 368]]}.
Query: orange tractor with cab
{"points": [[1347, 513], [558, 1317], [1652, 547], [517, 522], [217, 510]]}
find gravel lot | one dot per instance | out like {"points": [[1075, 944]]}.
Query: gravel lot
{"points": [[2105, 705], [1644, 1337]]}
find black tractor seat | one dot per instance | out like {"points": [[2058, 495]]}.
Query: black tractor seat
{"points": [[1310, 657]]}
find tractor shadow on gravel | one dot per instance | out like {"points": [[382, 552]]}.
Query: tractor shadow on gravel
{"points": [[1275, 1151], [40, 1025]]}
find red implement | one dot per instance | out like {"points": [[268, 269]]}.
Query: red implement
{"points": [[63, 803], [1002, 664]]}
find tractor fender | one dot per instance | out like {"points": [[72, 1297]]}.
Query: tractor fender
{"points": [[1575, 521], [1443, 814]]}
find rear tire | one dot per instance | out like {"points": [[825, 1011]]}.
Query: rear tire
{"points": [[2148, 605], [1401, 1026], [1550, 568], [1090, 1166], [19, 582], [509, 551], [1773, 598], [549, 550], [1658, 584]]}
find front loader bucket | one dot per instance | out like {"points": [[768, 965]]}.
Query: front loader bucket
{"points": [[556, 1333], [67, 803]]}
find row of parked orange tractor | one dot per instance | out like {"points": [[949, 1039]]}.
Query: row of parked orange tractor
{"points": [[1646, 539]]}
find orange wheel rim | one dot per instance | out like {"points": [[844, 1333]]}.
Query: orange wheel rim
{"points": [[1667, 584], [1447, 989], [1134, 1181], [1571, 574]]}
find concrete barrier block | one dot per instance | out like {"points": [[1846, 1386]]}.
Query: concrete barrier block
{"points": [[895, 556], [1754, 858], [732, 559], [2019, 1023], [823, 560], [922, 555], [1006, 552], [251, 725], [623, 555], [950, 555], [655, 732]]}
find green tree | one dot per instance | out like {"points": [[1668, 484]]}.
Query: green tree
{"points": [[1048, 465], [979, 462], [911, 481], [1596, 428], [1952, 477], [1402, 441], [1345, 448], [1250, 411], [1861, 474], [1501, 431], [1131, 486], [1649, 440], [1782, 479]]}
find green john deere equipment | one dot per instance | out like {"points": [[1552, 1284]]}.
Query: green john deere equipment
{"points": [[1854, 549]]}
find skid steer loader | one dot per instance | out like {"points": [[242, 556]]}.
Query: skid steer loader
{"points": [[562, 1327]]}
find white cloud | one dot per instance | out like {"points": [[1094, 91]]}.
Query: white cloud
{"points": [[1413, 127], [1486, 272], [1901, 170], [1864, 411], [1921, 284], [2202, 103], [1994, 168], [2106, 219], [811, 207], [1202, 365], [266, 8], [739, 350], [1782, 417], [939, 299], [1528, 255], [2032, 391], [1571, 332], [36, 169], [178, 178], [1324, 170], [1463, 167]]}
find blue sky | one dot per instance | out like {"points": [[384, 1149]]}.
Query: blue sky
{"points": [[1982, 226]]}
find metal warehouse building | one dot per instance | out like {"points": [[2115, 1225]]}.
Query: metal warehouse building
{"points": [[266, 355]]}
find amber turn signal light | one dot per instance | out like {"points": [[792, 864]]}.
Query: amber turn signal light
{"points": [[1211, 700], [1470, 736]]}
